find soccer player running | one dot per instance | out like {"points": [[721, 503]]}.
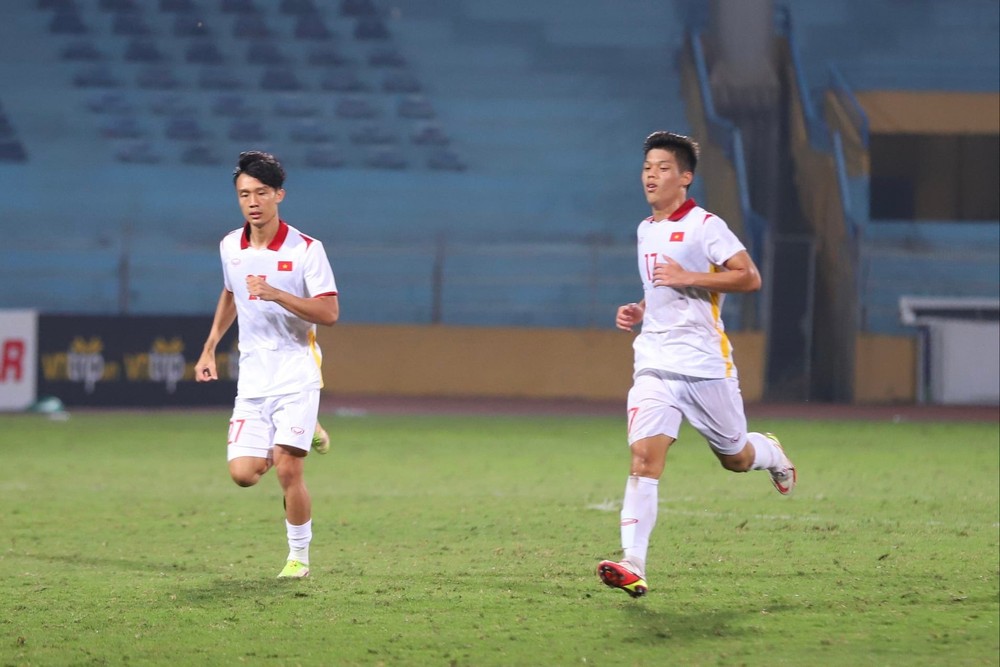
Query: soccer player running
{"points": [[278, 285], [688, 261]]}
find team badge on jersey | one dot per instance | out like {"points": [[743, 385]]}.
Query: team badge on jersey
{"points": [[676, 236], [284, 266]]}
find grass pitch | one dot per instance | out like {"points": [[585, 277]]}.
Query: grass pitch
{"points": [[473, 541]]}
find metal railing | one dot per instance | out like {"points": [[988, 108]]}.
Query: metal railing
{"points": [[533, 284]]}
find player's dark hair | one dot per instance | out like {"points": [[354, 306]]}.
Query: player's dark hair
{"points": [[684, 149], [262, 166]]}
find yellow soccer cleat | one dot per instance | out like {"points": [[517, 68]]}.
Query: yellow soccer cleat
{"points": [[294, 569], [321, 440]]}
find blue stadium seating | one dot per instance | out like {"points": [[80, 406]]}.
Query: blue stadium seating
{"points": [[944, 46], [81, 51], [934, 259], [11, 148], [486, 123], [880, 45]]}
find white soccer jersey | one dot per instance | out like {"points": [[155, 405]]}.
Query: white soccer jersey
{"points": [[682, 329], [278, 350]]}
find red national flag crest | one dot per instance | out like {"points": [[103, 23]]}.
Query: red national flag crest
{"points": [[284, 266], [677, 236]]}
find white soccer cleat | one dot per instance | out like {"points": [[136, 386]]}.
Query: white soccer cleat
{"points": [[785, 477]]}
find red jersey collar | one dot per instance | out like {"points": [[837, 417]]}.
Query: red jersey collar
{"points": [[682, 210], [276, 242]]}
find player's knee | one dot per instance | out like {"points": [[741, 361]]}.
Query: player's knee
{"points": [[245, 475], [644, 467], [289, 476], [737, 463], [243, 478]]}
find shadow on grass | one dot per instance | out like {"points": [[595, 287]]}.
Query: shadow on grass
{"points": [[653, 627], [198, 587], [81, 561], [256, 590]]}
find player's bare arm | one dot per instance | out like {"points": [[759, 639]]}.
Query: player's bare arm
{"points": [[323, 310], [630, 315], [741, 275], [225, 315]]}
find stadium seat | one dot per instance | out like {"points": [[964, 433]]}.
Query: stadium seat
{"points": [[67, 22], [200, 155], [110, 103], [325, 157], [401, 82], [231, 105], [246, 129], [184, 129], [266, 53], [204, 52], [118, 5], [371, 134], [143, 50], [99, 76], [442, 159], [355, 106], [191, 25], [386, 56], [58, 5], [280, 78], [298, 7], [81, 51], [12, 150], [172, 104], [311, 131], [371, 28], [311, 27], [157, 78], [238, 7], [178, 6], [386, 158], [218, 78], [358, 8], [415, 106], [430, 134], [329, 56], [122, 127], [138, 153], [251, 26], [130, 24], [296, 106], [343, 80]]}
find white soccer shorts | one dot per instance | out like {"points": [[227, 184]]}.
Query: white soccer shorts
{"points": [[258, 424], [659, 400]]}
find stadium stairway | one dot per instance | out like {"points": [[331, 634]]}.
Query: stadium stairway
{"points": [[931, 46]]}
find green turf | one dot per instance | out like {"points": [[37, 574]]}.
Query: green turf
{"points": [[473, 541]]}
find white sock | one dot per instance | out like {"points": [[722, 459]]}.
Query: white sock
{"points": [[638, 518], [298, 541], [767, 456]]}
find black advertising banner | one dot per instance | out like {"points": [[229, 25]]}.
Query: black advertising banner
{"points": [[131, 361]]}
